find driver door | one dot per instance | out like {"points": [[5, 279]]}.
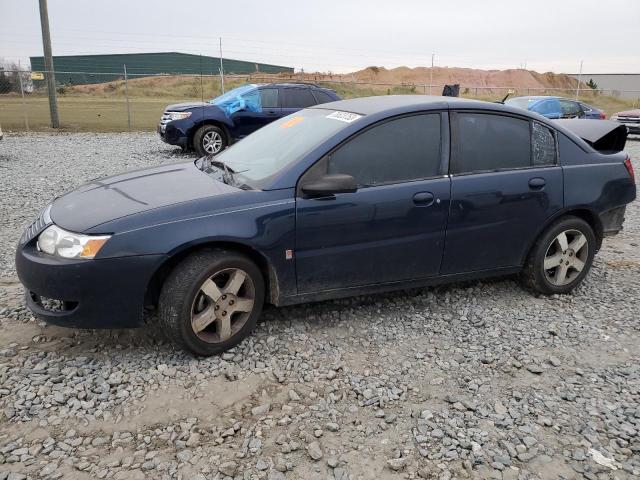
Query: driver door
{"points": [[392, 228], [261, 107]]}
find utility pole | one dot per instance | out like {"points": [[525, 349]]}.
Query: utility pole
{"points": [[579, 80], [221, 68], [126, 94], [48, 64], [431, 73]]}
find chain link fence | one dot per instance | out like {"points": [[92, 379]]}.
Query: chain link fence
{"points": [[112, 102]]}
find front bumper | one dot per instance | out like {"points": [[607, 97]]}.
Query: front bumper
{"points": [[173, 135], [99, 293]]}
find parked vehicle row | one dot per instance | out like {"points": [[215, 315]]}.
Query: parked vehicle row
{"points": [[210, 127], [346, 198]]}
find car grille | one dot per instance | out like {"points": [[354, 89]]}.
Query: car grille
{"points": [[629, 120], [38, 225], [164, 119]]}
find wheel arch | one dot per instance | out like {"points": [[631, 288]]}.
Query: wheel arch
{"points": [[585, 213], [158, 278]]}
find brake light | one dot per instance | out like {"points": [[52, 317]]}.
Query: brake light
{"points": [[629, 167], [602, 116]]}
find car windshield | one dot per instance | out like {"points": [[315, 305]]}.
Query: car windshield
{"points": [[259, 157], [246, 98]]}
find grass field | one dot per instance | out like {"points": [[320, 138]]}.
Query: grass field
{"points": [[103, 108]]}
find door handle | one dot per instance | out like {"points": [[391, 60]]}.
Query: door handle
{"points": [[423, 199], [537, 183]]}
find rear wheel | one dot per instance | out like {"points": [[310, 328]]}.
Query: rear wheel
{"points": [[209, 140], [561, 257], [211, 301]]}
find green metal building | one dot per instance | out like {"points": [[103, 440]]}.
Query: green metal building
{"points": [[86, 69]]}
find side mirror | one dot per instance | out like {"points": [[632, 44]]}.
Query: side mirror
{"points": [[330, 184]]}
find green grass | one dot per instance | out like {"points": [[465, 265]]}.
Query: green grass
{"points": [[103, 108]]}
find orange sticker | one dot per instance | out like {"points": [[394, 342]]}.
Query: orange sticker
{"points": [[292, 122]]}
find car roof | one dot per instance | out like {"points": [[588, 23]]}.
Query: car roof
{"points": [[536, 97], [384, 103]]}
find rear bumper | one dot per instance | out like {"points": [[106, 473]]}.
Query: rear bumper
{"points": [[101, 293], [612, 221]]}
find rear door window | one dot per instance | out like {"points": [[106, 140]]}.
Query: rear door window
{"points": [[487, 142], [297, 98]]}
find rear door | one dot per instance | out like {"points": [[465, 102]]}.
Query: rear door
{"points": [[506, 182], [571, 109], [296, 98]]}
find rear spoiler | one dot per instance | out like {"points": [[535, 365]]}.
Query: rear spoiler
{"points": [[605, 136]]}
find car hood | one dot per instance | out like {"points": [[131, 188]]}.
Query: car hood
{"points": [[106, 199], [629, 113], [181, 107]]}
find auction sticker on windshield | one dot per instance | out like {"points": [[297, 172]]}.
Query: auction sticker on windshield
{"points": [[344, 116]]}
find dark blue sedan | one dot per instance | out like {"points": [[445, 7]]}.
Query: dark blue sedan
{"points": [[557, 107], [347, 198], [210, 127]]}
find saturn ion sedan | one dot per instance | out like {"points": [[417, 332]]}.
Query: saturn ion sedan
{"points": [[345, 198]]}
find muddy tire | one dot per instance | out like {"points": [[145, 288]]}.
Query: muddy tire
{"points": [[211, 301], [561, 257]]}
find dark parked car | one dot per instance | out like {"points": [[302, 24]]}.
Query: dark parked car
{"points": [[556, 107], [351, 197], [210, 127], [629, 118]]}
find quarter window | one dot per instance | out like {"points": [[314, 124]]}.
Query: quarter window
{"points": [[269, 97], [486, 142], [297, 98], [399, 150], [322, 97], [543, 145]]}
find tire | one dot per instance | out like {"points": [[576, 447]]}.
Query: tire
{"points": [[209, 140], [560, 277], [200, 290]]}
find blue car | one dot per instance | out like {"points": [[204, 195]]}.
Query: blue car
{"points": [[210, 127], [347, 198], [556, 107]]}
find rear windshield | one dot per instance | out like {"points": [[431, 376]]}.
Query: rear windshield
{"points": [[259, 157]]}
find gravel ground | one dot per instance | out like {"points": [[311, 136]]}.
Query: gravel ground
{"points": [[475, 380]]}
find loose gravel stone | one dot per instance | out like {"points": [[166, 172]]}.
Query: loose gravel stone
{"points": [[471, 380]]}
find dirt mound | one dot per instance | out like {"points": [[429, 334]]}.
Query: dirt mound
{"points": [[466, 77]]}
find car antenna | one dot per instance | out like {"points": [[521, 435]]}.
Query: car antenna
{"points": [[509, 92]]}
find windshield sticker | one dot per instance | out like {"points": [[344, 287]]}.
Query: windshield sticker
{"points": [[290, 123], [344, 116]]}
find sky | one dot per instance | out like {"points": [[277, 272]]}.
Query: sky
{"points": [[342, 36]]}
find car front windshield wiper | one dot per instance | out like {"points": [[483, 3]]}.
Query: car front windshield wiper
{"points": [[206, 163]]}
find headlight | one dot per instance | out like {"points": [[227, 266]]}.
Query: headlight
{"points": [[56, 241], [178, 115]]}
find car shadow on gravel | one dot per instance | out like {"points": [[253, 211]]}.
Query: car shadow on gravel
{"points": [[150, 339]]}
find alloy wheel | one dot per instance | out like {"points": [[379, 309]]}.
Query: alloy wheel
{"points": [[222, 305], [566, 257], [212, 142]]}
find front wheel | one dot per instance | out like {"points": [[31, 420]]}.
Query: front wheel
{"points": [[561, 257], [209, 140], [211, 301]]}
